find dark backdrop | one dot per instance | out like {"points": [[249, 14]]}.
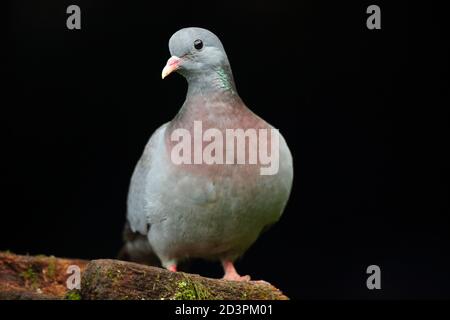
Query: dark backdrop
{"points": [[365, 114]]}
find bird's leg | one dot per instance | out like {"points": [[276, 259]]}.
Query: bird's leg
{"points": [[169, 264], [231, 273], [172, 267]]}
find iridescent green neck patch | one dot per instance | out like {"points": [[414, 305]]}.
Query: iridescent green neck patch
{"points": [[224, 79]]}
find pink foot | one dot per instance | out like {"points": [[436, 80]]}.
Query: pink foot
{"points": [[231, 273], [172, 267]]}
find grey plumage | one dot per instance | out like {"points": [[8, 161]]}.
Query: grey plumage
{"points": [[205, 211]]}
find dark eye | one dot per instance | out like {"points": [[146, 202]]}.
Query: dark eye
{"points": [[198, 44]]}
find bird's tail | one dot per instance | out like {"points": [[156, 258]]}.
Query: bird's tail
{"points": [[136, 248]]}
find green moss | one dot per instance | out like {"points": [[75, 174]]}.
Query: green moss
{"points": [[110, 274], [73, 295], [113, 274], [30, 276], [189, 290], [51, 267]]}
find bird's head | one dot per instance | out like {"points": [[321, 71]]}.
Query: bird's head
{"points": [[195, 51]]}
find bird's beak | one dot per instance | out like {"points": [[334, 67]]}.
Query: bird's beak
{"points": [[172, 64]]}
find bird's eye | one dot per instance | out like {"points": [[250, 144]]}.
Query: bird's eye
{"points": [[198, 44]]}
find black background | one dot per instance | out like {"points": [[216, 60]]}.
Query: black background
{"points": [[365, 113]]}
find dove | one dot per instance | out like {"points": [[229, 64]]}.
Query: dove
{"points": [[213, 211]]}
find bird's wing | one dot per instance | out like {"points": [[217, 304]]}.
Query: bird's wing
{"points": [[138, 197]]}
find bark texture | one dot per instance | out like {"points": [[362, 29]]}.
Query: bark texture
{"points": [[42, 277]]}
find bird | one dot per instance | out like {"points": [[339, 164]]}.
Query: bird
{"points": [[213, 211]]}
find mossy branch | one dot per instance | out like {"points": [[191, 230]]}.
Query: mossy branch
{"points": [[42, 277], [113, 279], [35, 277]]}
